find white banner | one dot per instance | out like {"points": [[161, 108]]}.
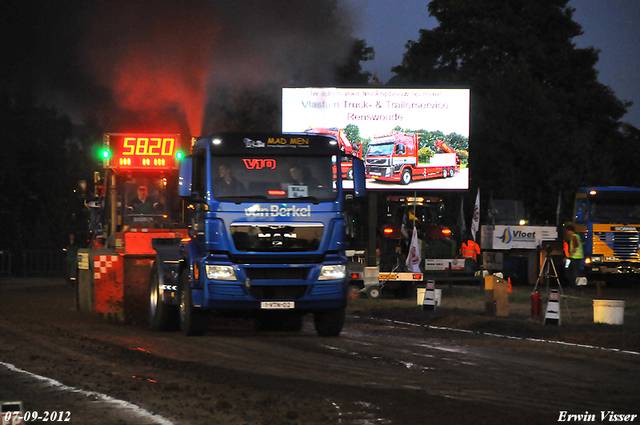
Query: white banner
{"points": [[475, 221], [413, 259]]}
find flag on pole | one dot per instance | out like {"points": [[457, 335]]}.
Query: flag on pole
{"points": [[413, 259], [461, 223], [475, 221]]}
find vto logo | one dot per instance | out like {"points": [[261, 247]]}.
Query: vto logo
{"points": [[259, 163]]}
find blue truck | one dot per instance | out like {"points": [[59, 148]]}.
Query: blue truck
{"points": [[266, 235]]}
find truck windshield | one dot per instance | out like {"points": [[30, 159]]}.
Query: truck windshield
{"points": [[614, 210], [236, 178], [381, 149]]}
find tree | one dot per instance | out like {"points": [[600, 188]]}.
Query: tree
{"points": [[34, 174], [350, 72], [539, 117]]}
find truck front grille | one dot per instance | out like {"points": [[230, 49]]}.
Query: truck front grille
{"points": [[277, 237], [378, 171], [277, 273], [623, 244], [377, 161]]}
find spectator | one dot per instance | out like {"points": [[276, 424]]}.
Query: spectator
{"points": [[227, 184], [71, 258]]}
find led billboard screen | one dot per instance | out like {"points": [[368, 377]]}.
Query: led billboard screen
{"points": [[408, 138], [142, 151]]}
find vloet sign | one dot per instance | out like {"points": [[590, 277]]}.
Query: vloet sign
{"points": [[516, 237]]}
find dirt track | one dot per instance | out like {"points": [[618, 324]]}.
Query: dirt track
{"points": [[376, 372]]}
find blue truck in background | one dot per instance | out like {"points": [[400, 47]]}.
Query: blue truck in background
{"points": [[266, 235]]}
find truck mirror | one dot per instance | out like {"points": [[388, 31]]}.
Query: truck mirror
{"points": [[359, 179], [184, 182]]}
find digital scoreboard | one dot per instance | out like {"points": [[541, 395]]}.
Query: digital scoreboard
{"points": [[142, 151]]}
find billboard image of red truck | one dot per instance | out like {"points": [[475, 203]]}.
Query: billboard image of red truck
{"points": [[409, 138], [395, 158]]}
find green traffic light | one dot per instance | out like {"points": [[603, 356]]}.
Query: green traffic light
{"points": [[178, 156], [105, 154]]}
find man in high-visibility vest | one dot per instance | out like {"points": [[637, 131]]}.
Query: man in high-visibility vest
{"points": [[576, 255], [470, 249]]}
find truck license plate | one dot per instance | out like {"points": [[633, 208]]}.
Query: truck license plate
{"points": [[277, 305]]}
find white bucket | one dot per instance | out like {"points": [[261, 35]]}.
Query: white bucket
{"points": [[608, 311], [438, 296]]}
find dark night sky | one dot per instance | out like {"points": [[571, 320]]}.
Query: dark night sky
{"points": [[608, 25], [162, 54]]}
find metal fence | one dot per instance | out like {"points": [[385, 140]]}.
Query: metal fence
{"points": [[43, 263]]}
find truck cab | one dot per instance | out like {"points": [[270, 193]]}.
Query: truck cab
{"points": [[266, 237], [608, 220]]}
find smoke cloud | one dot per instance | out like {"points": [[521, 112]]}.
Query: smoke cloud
{"points": [[155, 65]]}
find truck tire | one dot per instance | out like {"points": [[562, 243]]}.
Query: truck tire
{"points": [[406, 176], [444, 173], [329, 322], [192, 320], [162, 317]]}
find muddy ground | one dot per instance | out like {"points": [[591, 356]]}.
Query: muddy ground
{"points": [[373, 374], [464, 307]]}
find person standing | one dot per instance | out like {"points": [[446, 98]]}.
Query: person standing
{"points": [[71, 259], [576, 255], [470, 249]]}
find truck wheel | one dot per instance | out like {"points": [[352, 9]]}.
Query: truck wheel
{"points": [[162, 317], [330, 322], [444, 173], [406, 176], [192, 320]]}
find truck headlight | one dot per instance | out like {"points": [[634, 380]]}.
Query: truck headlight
{"points": [[594, 259], [220, 272], [333, 272]]}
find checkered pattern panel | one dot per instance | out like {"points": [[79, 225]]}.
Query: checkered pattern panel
{"points": [[103, 264]]}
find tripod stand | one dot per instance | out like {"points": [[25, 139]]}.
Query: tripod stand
{"points": [[545, 270]]}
